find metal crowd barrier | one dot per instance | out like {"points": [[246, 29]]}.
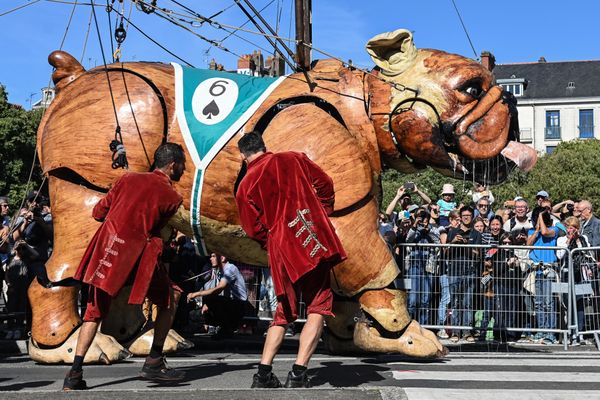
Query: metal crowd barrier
{"points": [[261, 294], [482, 293], [585, 294]]}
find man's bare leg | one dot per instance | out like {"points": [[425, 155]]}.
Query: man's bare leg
{"points": [[74, 379], [309, 338], [87, 333], [275, 335], [155, 368]]}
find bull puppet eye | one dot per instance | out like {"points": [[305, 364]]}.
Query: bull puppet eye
{"points": [[472, 88]]}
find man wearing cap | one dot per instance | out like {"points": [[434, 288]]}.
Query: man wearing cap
{"points": [[446, 203]]}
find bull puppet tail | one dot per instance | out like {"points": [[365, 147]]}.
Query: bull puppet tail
{"points": [[66, 68]]}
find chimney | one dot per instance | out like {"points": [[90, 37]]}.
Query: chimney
{"points": [[488, 60], [542, 59]]}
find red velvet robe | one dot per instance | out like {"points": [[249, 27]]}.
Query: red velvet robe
{"points": [[283, 202], [133, 212]]}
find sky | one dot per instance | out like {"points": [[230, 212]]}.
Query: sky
{"points": [[514, 31]]}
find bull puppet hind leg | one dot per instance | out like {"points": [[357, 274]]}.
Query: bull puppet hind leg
{"points": [[386, 327], [384, 324]]}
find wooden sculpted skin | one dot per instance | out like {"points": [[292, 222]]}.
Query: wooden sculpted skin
{"points": [[352, 145]]}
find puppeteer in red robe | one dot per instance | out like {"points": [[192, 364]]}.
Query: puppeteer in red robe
{"points": [[284, 201], [132, 215]]}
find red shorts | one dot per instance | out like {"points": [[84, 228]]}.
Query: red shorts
{"points": [[314, 289], [158, 293]]}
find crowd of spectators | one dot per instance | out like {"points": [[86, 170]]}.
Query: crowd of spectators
{"points": [[455, 283], [474, 276], [25, 245]]}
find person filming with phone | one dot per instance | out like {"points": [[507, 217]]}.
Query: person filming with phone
{"points": [[404, 197]]}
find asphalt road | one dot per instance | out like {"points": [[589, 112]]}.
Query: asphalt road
{"points": [[224, 370]]}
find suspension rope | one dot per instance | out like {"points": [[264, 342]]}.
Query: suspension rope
{"points": [[18, 8], [137, 127], [87, 35], [112, 46], [68, 24], [119, 156], [154, 41], [234, 31], [465, 29]]}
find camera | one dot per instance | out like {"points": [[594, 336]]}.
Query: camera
{"points": [[570, 207], [409, 186]]}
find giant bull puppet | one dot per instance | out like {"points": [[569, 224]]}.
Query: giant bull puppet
{"points": [[418, 107]]}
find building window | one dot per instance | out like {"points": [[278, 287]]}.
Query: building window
{"points": [[515, 88], [550, 149], [586, 124], [552, 131]]}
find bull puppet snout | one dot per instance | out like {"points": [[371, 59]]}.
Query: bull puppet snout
{"points": [[483, 132]]}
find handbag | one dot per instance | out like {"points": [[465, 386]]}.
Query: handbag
{"points": [[431, 266], [529, 283]]}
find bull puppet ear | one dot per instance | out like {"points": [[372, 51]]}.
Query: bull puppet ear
{"points": [[393, 52]]}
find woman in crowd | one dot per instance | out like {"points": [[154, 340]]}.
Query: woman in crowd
{"points": [[581, 270]]}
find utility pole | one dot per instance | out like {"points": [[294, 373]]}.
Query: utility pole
{"points": [[303, 33]]}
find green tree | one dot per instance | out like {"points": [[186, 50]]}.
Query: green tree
{"points": [[17, 145]]}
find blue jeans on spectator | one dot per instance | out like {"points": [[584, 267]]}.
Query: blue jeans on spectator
{"points": [[420, 292], [461, 293], [544, 303], [444, 299]]}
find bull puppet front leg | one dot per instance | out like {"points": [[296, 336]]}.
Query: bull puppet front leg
{"points": [[55, 320], [384, 324]]}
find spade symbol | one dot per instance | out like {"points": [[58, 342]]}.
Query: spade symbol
{"points": [[211, 110]]}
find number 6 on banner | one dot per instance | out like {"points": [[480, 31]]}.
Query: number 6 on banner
{"points": [[214, 99]]}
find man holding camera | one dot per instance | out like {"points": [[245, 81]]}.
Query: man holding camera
{"points": [[421, 265], [545, 264], [461, 273]]}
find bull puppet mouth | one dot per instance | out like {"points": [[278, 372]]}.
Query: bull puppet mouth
{"points": [[493, 170]]}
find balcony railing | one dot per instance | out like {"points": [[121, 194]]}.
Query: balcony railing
{"points": [[586, 131], [552, 132], [525, 135]]}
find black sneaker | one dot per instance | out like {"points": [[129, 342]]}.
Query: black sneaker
{"points": [[161, 372], [297, 381], [269, 381], [74, 381]]}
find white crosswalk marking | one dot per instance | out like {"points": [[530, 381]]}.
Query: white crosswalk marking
{"points": [[523, 376]]}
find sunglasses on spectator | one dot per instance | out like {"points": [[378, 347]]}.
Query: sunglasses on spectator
{"points": [[466, 216], [539, 197], [483, 205]]}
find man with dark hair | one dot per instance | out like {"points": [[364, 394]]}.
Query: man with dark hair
{"points": [[284, 202], [461, 273], [127, 250]]}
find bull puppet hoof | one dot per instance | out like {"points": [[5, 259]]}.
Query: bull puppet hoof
{"points": [[140, 346], [415, 341], [104, 350]]}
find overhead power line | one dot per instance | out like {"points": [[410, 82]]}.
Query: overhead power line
{"points": [[465, 29]]}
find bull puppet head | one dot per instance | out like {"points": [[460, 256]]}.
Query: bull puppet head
{"points": [[447, 112]]}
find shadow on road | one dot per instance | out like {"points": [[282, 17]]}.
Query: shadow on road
{"points": [[192, 373], [338, 374], [24, 385]]}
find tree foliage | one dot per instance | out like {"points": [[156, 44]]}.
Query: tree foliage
{"points": [[17, 145], [572, 171]]}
